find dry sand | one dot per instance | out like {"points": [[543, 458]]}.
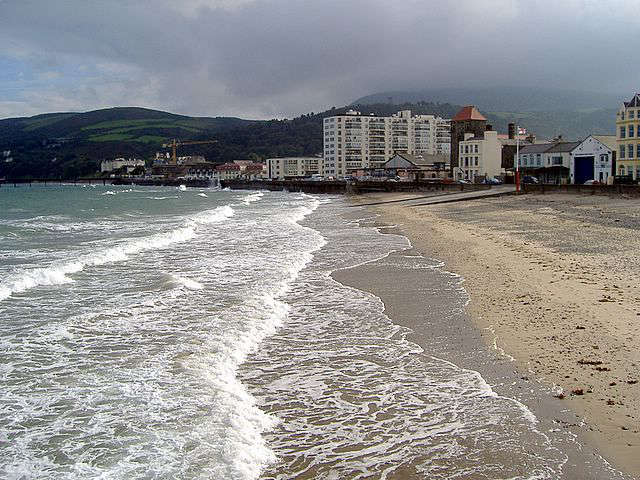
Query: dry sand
{"points": [[554, 283]]}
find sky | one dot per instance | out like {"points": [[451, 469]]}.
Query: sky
{"points": [[282, 58]]}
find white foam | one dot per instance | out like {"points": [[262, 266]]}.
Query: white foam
{"points": [[253, 197], [59, 274], [187, 282], [202, 195], [108, 192]]}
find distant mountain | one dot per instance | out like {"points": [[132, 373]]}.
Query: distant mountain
{"points": [[503, 99], [545, 112]]}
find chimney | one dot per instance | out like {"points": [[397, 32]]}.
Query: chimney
{"points": [[512, 131]]}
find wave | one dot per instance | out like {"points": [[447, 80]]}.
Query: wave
{"points": [[186, 282], [59, 274], [253, 197], [268, 312]]}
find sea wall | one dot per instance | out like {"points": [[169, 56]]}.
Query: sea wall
{"points": [[341, 187], [631, 190]]}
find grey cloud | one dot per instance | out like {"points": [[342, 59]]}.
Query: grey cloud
{"points": [[267, 58]]}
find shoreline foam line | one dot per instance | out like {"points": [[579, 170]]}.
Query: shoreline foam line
{"points": [[484, 388], [58, 274], [257, 422]]}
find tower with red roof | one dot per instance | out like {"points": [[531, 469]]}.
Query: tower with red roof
{"points": [[467, 120]]}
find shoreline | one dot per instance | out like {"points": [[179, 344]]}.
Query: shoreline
{"points": [[490, 282]]}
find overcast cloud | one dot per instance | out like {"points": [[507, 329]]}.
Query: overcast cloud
{"points": [[274, 58]]}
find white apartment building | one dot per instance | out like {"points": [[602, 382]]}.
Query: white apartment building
{"points": [[480, 157], [289, 167], [353, 140]]}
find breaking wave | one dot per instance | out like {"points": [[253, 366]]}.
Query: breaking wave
{"points": [[59, 274]]}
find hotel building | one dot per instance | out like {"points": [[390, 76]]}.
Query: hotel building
{"points": [[353, 141], [628, 138]]}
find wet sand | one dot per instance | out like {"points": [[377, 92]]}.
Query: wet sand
{"points": [[553, 284]]}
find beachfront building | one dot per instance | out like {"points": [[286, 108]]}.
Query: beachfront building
{"points": [[467, 121], [480, 157], [201, 171], [407, 167], [628, 138], [354, 141], [569, 162], [245, 169], [125, 164], [593, 159], [293, 167]]}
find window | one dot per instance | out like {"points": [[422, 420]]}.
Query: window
{"points": [[466, 161], [475, 149], [630, 150], [622, 150], [638, 150], [630, 131], [466, 149], [623, 132], [630, 115], [476, 160]]}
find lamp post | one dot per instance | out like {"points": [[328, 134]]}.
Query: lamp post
{"points": [[517, 159]]}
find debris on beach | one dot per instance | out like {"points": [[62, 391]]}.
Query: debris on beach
{"points": [[589, 362]]}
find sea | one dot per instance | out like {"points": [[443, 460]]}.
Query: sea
{"points": [[166, 333]]}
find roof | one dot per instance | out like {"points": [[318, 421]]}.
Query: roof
{"points": [[563, 147], [228, 166], [468, 113], [608, 140], [535, 148], [634, 102]]}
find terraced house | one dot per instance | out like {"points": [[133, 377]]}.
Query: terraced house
{"points": [[628, 138]]}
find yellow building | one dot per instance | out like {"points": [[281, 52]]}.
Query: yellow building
{"points": [[628, 138]]}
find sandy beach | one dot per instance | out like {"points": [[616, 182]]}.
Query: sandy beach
{"points": [[554, 289]]}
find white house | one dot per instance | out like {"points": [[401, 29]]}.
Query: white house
{"points": [[480, 157], [592, 159]]}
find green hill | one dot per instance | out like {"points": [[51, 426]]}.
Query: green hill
{"points": [[74, 144]]}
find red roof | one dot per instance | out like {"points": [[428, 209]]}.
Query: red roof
{"points": [[468, 113], [228, 166]]}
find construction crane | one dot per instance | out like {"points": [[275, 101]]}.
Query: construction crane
{"points": [[178, 143]]}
